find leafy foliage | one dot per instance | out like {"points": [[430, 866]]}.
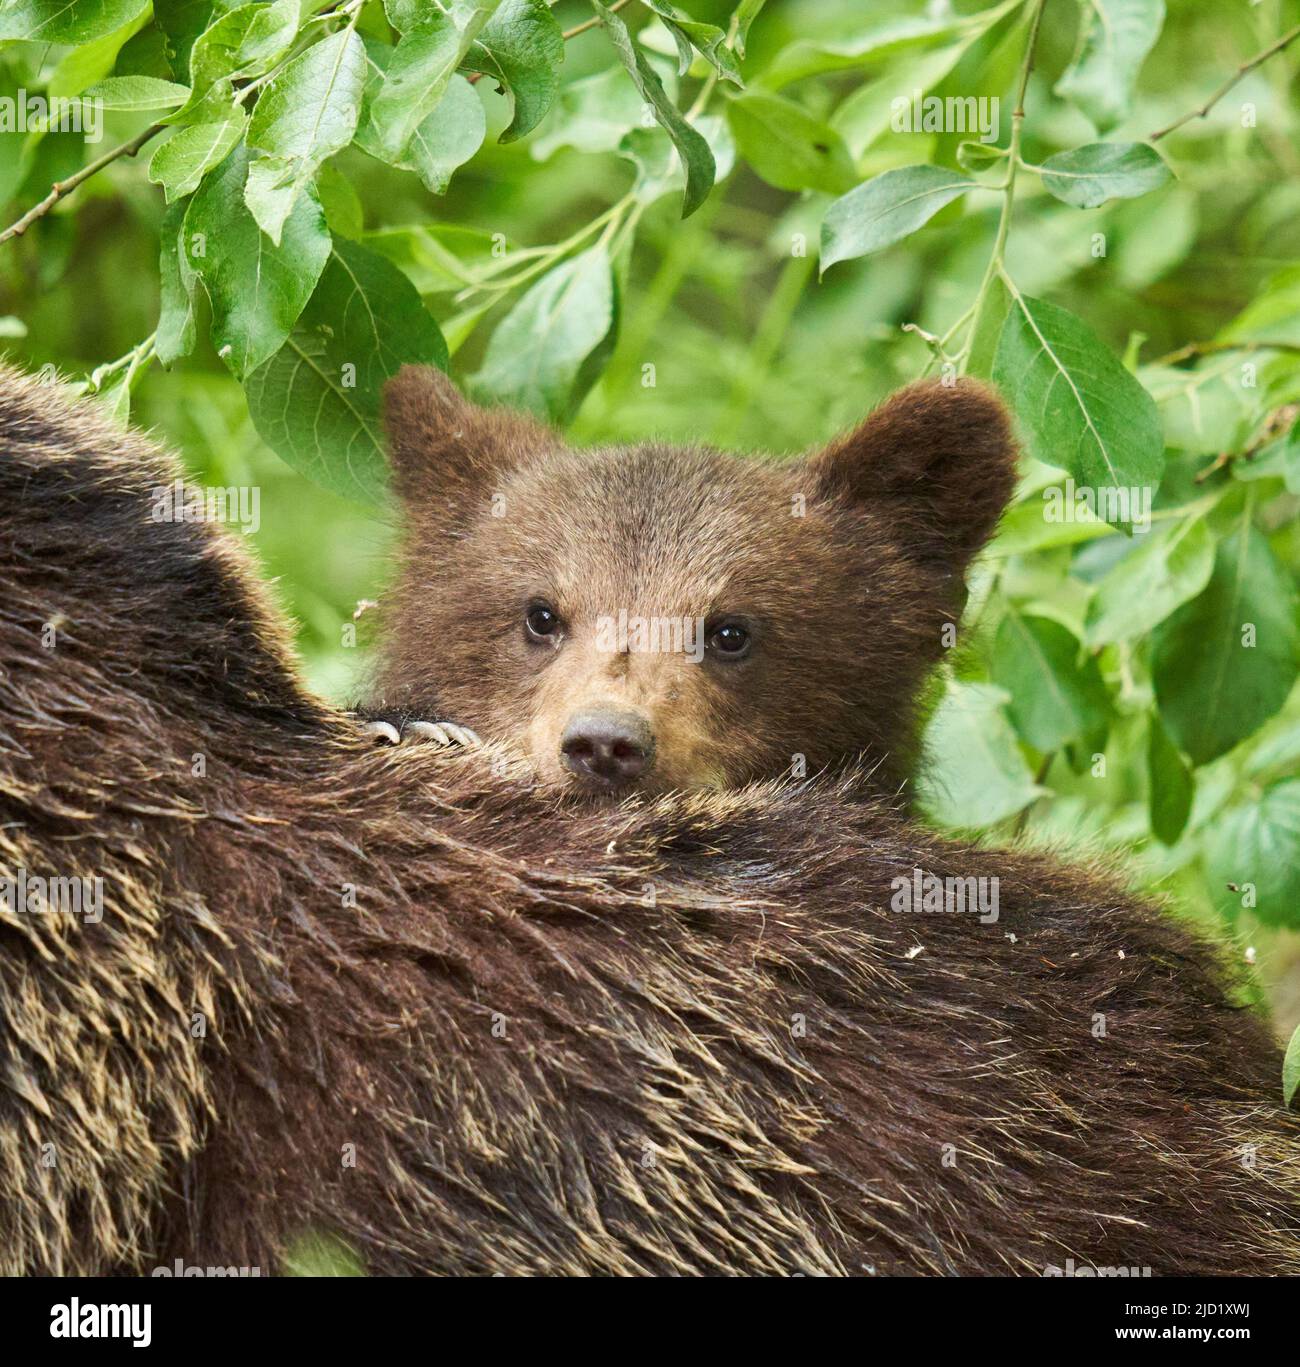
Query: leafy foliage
{"points": [[611, 214]]}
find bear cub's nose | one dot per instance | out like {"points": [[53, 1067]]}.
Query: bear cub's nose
{"points": [[606, 748]]}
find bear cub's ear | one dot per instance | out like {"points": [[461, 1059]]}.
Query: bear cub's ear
{"points": [[443, 449], [938, 459]]}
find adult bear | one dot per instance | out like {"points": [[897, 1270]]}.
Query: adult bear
{"points": [[395, 997]]}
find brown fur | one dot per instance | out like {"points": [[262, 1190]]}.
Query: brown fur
{"points": [[847, 565], [722, 1051]]}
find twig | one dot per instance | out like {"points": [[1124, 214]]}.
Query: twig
{"points": [[595, 19], [1284, 41], [130, 362], [61, 188], [1274, 425], [1008, 188], [1184, 353], [544, 257]]}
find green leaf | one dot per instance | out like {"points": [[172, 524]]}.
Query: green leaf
{"points": [[180, 22], [880, 38], [317, 401], [1114, 39], [789, 148], [446, 139], [594, 114], [1057, 692], [1170, 785], [693, 149], [655, 35], [974, 773], [460, 326], [1275, 751], [138, 92], [1204, 411], [1278, 460], [342, 205], [91, 62], [1090, 175], [441, 257], [1154, 235], [239, 45], [190, 153], [1258, 842], [979, 156], [304, 115], [175, 336], [418, 72], [886, 209], [537, 350], [875, 106], [522, 46], [987, 328], [1274, 312], [659, 168], [1291, 1069], [1024, 529], [115, 400], [1081, 410], [404, 15], [1213, 687], [62, 21], [1164, 569], [746, 13], [707, 39], [257, 287]]}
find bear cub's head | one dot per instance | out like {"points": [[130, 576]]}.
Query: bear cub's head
{"points": [[661, 617]]}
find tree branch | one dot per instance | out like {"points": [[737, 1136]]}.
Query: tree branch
{"points": [[1273, 48], [1184, 353], [62, 188]]}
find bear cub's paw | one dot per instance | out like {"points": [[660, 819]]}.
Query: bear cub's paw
{"points": [[445, 733]]}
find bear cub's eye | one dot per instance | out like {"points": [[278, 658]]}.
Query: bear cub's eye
{"points": [[541, 621], [730, 640]]}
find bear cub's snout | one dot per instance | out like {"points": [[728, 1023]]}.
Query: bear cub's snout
{"points": [[606, 748]]}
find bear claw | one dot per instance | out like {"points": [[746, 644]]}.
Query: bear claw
{"points": [[440, 732], [383, 732], [444, 732]]}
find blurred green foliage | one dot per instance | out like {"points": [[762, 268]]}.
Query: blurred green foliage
{"points": [[1140, 305]]}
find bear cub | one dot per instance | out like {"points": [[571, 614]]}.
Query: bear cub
{"points": [[655, 617]]}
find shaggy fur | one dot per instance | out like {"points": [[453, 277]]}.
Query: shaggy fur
{"points": [[683, 1035], [845, 566]]}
